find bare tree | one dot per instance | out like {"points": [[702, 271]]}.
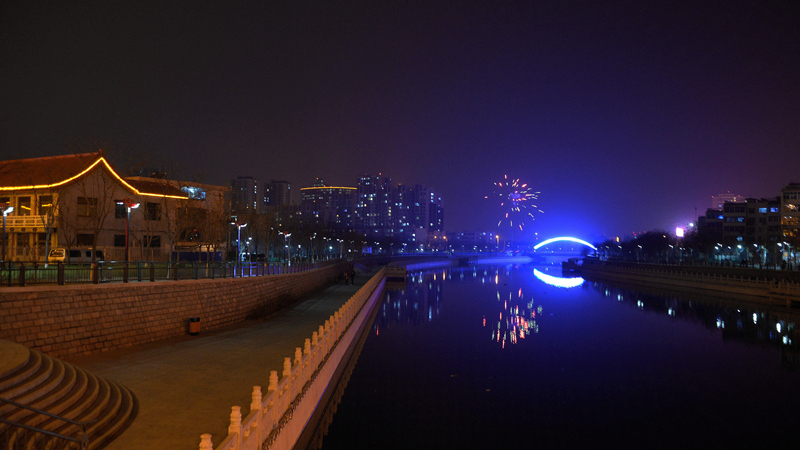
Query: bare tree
{"points": [[95, 201], [216, 224], [66, 221]]}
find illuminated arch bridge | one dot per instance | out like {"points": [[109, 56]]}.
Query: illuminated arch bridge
{"points": [[564, 239]]}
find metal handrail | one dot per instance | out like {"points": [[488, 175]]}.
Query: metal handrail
{"points": [[22, 274], [84, 437]]}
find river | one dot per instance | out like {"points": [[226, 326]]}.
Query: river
{"points": [[502, 356]]}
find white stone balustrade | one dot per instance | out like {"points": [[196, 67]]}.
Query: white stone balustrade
{"points": [[270, 414]]}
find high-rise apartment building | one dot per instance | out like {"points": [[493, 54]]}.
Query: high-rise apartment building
{"points": [[277, 193], [246, 197], [333, 206], [374, 206]]}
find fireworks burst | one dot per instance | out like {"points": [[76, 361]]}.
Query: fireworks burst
{"points": [[515, 198]]}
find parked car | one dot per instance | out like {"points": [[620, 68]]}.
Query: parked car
{"points": [[254, 257], [78, 255]]}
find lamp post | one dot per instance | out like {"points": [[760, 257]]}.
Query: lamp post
{"points": [[239, 225], [283, 250], [286, 243], [128, 204], [6, 211]]}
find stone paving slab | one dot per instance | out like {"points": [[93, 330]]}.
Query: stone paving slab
{"points": [[12, 357], [186, 386]]}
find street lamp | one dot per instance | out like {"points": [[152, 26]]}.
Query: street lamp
{"points": [[287, 243], [6, 211], [239, 225], [285, 246], [128, 204]]}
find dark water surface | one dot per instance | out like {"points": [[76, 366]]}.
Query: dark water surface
{"points": [[493, 356]]}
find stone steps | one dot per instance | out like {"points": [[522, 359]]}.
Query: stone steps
{"points": [[42, 382]]}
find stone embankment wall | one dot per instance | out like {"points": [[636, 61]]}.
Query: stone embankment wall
{"points": [[775, 289], [86, 319]]}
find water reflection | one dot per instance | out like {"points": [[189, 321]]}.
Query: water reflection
{"points": [[735, 320], [604, 364], [518, 315], [415, 302], [514, 323], [563, 282]]}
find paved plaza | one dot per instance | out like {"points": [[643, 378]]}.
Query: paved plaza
{"points": [[186, 386]]}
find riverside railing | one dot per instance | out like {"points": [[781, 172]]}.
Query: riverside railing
{"points": [[22, 274], [270, 414]]}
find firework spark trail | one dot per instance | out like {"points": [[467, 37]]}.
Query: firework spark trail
{"points": [[515, 197]]}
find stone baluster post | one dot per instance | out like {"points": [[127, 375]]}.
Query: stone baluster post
{"points": [[287, 374], [256, 405], [236, 426], [299, 372], [205, 442], [272, 410], [273, 381], [327, 337], [321, 343], [308, 358]]}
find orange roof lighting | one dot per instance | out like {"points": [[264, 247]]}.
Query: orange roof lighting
{"points": [[84, 172]]}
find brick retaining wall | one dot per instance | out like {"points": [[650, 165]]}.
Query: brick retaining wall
{"points": [[85, 319]]}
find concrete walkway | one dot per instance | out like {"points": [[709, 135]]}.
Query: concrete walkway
{"points": [[186, 386]]}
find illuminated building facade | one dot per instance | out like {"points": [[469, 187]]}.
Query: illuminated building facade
{"points": [[790, 214], [277, 193], [374, 206], [247, 196], [76, 202], [752, 229], [472, 241], [331, 206], [419, 215], [412, 214]]}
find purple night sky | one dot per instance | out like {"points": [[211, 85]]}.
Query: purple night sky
{"points": [[626, 117]]}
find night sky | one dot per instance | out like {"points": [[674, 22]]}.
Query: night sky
{"points": [[626, 117]]}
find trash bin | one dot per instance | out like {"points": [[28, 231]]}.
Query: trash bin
{"points": [[194, 326]]}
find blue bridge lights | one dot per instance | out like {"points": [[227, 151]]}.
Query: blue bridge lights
{"points": [[564, 239]]}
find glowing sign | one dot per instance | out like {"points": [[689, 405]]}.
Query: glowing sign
{"points": [[679, 232], [568, 239], [558, 281]]}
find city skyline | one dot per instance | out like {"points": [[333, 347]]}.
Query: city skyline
{"points": [[626, 117]]}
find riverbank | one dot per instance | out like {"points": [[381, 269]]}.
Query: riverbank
{"points": [[763, 286]]}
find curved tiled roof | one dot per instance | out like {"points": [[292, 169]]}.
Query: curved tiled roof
{"points": [[45, 171], [54, 171], [155, 187]]}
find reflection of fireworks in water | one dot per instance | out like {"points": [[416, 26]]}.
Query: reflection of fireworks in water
{"points": [[514, 322], [515, 197]]}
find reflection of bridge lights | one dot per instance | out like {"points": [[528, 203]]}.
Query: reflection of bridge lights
{"points": [[558, 281]]}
